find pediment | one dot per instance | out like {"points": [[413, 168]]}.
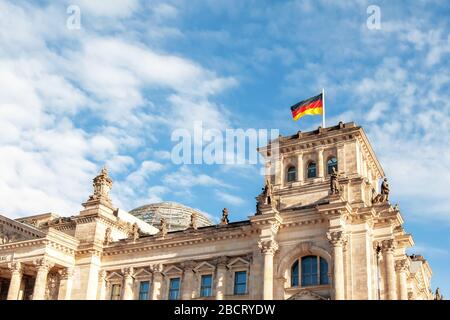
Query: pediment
{"points": [[172, 270], [14, 231], [238, 263], [114, 276], [204, 266], [142, 273], [306, 294]]}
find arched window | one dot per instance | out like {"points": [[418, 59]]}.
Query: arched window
{"points": [[291, 174], [294, 274], [312, 173], [312, 269], [332, 163]]}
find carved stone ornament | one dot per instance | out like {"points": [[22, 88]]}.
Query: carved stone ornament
{"points": [[402, 265], [388, 245], [193, 224], [102, 185], [337, 238], [43, 264], [15, 267], [224, 220], [163, 227], [268, 246], [108, 238], [334, 182], [128, 272]]}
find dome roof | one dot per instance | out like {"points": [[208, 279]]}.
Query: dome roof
{"points": [[177, 216]]}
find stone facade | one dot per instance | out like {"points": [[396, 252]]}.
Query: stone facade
{"points": [[311, 238]]}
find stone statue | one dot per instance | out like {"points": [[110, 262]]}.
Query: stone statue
{"points": [[385, 190], [438, 295], [334, 182], [193, 223], [224, 219], [267, 192], [108, 238], [163, 227], [135, 231]]}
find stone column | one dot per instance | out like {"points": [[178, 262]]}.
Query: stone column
{"points": [[320, 170], [42, 266], [221, 278], [188, 281], [388, 247], [402, 267], [268, 249], [102, 285], [157, 282], [65, 284], [128, 283], [338, 240], [300, 168], [16, 280]]}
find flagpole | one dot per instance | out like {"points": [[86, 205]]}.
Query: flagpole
{"points": [[323, 111]]}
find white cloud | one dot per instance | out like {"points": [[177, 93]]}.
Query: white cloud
{"points": [[110, 8], [229, 198], [186, 178]]}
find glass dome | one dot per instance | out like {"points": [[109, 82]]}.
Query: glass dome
{"points": [[177, 216]]}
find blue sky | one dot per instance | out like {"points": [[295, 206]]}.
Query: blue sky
{"points": [[113, 91]]}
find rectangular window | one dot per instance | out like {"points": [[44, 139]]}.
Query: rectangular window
{"points": [[116, 291], [206, 286], [240, 282], [144, 287], [174, 289], [309, 271]]}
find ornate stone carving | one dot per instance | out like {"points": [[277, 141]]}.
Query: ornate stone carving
{"points": [[384, 195], [128, 272], [163, 227], [52, 288], [102, 274], [15, 267], [337, 238], [66, 273], [388, 245], [134, 234], [438, 295], [402, 265], [267, 192], [334, 182], [157, 268], [193, 224], [224, 220], [222, 261], [268, 246], [43, 264], [108, 238], [102, 185]]}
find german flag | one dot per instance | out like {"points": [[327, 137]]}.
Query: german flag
{"points": [[311, 106]]}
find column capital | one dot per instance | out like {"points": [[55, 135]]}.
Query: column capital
{"points": [[66, 273], [402, 265], [188, 266], [15, 267], [43, 264], [128, 272], [157, 268], [102, 274], [222, 261], [388, 245], [337, 238], [268, 246]]}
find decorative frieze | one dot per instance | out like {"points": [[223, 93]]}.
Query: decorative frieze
{"points": [[388, 245]]}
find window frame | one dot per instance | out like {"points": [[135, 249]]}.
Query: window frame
{"points": [[235, 284], [210, 287], [315, 169], [336, 164], [288, 173], [170, 290], [119, 295], [320, 280], [140, 292]]}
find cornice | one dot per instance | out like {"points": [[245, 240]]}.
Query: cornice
{"points": [[186, 239]]}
